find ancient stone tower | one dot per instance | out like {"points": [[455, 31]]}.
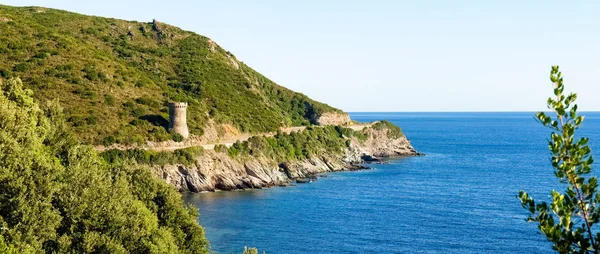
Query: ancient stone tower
{"points": [[177, 118]]}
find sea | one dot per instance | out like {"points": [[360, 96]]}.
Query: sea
{"points": [[459, 198]]}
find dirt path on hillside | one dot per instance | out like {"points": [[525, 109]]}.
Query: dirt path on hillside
{"points": [[209, 146]]}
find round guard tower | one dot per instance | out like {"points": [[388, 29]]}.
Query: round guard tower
{"points": [[177, 118]]}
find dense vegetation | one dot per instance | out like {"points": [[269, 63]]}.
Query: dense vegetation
{"points": [[294, 146], [58, 196], [297, 145], [114, 77], [184, 156], [568, 220]]}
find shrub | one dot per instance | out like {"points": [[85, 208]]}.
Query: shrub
{"points": [[78, 120], [220, 148], [75, 81], [129, 104], [159, 134], [91, 120], [90, 73], [138, 111], [22, 67], [5, 73], [107, 141], [109, 100], [177, 137], [148, 102], [42, 55]]}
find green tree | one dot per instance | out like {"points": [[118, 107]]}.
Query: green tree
{"points": [[568, 219], [58, 196]]}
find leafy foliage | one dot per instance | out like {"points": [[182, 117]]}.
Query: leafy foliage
{"points": [[5, 248], [568, 220], [296, 145], [115, 77], [184, 156], [59, 196]]}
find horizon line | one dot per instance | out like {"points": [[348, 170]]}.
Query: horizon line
{"points": [[466, 111]]}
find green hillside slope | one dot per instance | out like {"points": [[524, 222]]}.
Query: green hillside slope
{"points": [[114, 77]]}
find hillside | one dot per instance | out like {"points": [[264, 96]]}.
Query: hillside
{"points": [[115, 78]]}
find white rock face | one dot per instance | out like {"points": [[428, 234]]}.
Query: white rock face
{"points": [[332, 118], [217, 171]]}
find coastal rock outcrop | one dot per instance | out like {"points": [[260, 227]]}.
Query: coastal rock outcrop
{"points": [[218, 171], [379, 144]]}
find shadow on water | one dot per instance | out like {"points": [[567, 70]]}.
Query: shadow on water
{"points": [[219, 196]]}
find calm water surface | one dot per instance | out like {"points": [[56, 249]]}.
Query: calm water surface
{"points": [[460, 198]]}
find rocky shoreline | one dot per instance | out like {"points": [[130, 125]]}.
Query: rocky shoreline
{"points": [[217, 171]]}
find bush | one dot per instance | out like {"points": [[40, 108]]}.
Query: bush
{"points": [[148, 102], [5, 73], [107, 141], [176, 137], [220, 148], [42, 55], [90, 73], [129, 104], [158, 134], [138, 111], [109, 100], [22, 67], [91, 120], [75, 81]]}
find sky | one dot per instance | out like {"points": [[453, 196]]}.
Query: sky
{"points": [[395, 55]]}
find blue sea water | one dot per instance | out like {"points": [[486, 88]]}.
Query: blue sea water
{"points": [[459, 198]]}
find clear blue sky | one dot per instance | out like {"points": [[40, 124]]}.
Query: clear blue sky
{"points": [[395, 55]]}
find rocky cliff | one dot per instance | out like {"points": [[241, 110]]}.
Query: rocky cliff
{"points": [[218, 171], [331, 118]]}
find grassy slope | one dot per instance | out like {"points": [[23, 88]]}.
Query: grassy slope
{"points": [[114, 77]]}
